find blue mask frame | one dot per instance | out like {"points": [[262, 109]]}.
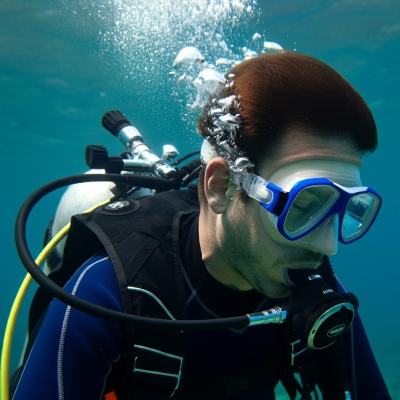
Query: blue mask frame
{"points": [[350, 203]]}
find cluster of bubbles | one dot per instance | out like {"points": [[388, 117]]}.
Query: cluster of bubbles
{"points": [[222, 132], [179, 49]]}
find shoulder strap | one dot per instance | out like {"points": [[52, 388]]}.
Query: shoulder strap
{"points": [[139, 238]]}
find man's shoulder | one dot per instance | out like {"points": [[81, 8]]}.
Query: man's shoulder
{"points": [[126, 224], [161, 206], [151, 215], [176, 199]]}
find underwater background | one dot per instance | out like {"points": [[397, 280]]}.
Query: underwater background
{"points": [[63, 64]]}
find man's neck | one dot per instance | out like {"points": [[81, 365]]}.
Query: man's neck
{"points": [[213, 255]]}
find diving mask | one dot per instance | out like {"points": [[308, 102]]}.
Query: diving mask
{"points": [[306, 193]]}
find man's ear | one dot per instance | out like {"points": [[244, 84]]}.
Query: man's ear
{"points": [[216, 184]]}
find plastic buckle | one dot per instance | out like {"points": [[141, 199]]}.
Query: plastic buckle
{"points": [[169, 368]]}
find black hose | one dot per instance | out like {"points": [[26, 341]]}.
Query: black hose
{"points": [[85, 306]]}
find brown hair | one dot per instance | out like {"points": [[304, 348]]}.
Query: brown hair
{"points": [[291, 90]]}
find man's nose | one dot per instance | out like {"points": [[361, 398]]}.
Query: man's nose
{"points": [[324, 238]]}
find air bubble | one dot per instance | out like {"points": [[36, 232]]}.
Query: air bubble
{"points": [[272, 46], [188, 55]]}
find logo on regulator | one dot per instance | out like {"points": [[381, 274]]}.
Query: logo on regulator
{"points": [[117, 205], [336, 330]]}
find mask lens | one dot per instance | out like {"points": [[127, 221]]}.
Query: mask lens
{"points": [[308, 208], [360, 212]]}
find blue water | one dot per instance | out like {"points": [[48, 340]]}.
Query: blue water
{"points": [[64, 64]]}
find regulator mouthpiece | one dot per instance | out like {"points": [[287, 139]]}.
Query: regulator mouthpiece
{"points": [[320, 315]]}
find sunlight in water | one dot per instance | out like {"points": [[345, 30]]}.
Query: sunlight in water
{"points": [[185, 40]]}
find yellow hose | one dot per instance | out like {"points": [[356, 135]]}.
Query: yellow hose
{"points": [[16, 307]]}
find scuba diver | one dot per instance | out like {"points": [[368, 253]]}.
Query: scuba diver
{"points": [[278, 188]]}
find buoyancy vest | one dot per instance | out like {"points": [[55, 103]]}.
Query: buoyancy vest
{"points": [[141, 239]]}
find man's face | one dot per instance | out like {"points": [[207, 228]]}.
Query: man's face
{"points": [[252, 246]]}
